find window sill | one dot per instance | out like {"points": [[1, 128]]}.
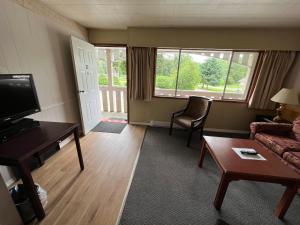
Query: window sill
{"points": [[215, 100]]}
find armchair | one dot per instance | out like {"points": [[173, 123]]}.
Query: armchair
{"points": [[193, 116]]}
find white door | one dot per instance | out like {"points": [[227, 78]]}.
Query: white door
{"points": [[84, 61]]}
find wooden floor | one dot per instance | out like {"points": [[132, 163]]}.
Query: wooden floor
{"points": [[94, 196]]}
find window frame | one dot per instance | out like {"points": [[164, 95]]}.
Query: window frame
{"points": [[251, 85]]}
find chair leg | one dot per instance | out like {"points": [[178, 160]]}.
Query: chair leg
{"points": [[201, 133], [190, 137], [171, 126]]}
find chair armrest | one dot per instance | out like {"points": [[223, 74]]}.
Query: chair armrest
{"points": [[178, 113], [271, 128], [198, 120]]}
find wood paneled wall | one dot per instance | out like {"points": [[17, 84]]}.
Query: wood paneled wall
{"points": [[35, 39]]}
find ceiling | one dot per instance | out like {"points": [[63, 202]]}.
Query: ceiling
{"points": [[120, 14]]}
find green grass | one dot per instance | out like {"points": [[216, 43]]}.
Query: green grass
{"points": [[229, 88]]}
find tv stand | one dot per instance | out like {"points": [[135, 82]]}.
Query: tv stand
{"points": [[16, 127], [22, 148]]}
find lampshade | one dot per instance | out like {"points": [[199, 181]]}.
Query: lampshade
{"points": [[286, 96]]}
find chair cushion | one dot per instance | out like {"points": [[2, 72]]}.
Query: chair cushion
{"points": [[197, 107], [278, 144], [293, 158], [296, 129], [184, 121]]}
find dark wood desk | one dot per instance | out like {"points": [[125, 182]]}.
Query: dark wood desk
{"points": [[18, 151], [234, 168]]}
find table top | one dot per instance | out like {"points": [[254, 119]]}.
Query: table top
{"points": [[272, 168], [35, 140]]}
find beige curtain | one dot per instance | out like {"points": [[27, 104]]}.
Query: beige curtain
{"points": [[272, 68], [141, 71]]}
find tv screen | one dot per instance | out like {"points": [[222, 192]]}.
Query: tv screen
{"points": [[17, 97]]}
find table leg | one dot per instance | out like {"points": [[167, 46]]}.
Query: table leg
{"points": [[78, 148], [285, 201], [202, 153], [221, 191], [30, 188], [40, 159]]}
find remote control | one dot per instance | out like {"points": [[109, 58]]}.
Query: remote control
{"points": [[249, 152]]}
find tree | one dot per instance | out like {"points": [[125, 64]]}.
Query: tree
{"points": [[237, 73], [122, 67], [165, 82], [166, 66], [211, 72], [102, 67], [189, 73]]}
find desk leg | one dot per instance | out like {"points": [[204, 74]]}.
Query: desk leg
{"points": [[76, 136], [40, 159], [202, 153], [285, 201], [221, 191], [30, 187]]}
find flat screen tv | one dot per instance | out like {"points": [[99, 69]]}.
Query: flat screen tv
{"points": [[18, 97]]}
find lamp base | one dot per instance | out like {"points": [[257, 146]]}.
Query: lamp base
{"points": [[279, 113], [277, 119]]}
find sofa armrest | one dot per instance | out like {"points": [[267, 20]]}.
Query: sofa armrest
{"points": [[271, 128]]}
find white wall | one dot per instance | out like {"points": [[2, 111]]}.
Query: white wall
{"points": [[34, 39], [8, 212]]}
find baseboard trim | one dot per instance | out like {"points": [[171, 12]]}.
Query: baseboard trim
{"points": [[66, 141], [10, 182], [167, 124], [140, 123]]}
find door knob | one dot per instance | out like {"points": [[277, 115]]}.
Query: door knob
{"points": [[81, 91]]}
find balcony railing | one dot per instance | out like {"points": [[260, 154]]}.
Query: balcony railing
{"points": [[113, 99]]}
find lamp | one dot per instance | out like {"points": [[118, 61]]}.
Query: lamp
{"points": [[283, 97]]}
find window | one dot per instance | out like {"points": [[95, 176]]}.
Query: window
{"points": [[111, 66], [215, 74]]}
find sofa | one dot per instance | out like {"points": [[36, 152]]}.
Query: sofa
{"points": [[281, 138]]}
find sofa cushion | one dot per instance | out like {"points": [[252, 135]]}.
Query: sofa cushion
{"points": [[281, 129], [293, 158], [278, 144], [296, 128]]}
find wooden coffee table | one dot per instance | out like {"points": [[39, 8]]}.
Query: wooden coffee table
{"points": [[233, 168]]}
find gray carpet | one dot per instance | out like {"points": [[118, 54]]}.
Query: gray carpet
{"points": [[109, 127], [168, 188]]}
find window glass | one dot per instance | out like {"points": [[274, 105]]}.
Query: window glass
{"points": [[240, 75], [166, 72], [202, 73], [208, 73]]}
